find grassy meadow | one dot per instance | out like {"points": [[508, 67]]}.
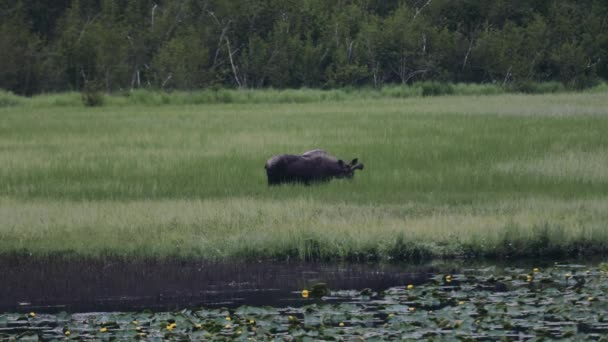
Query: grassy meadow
{"points": [[460, 175]]}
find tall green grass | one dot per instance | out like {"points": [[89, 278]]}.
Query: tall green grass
{"points": [[303, 228], [444, 176], [276, 96]]}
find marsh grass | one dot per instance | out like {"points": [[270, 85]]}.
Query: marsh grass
{"points": [[589, 167], [496, 175], [303, 229], [144, 97]]}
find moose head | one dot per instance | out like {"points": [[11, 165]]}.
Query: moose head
{"points": [[348, 169]]}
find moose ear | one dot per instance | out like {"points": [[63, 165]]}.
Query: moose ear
{"points": [[354, 161], [340, 162]]}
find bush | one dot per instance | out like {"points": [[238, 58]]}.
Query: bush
{"points": [[436, 88], [8, 99], [529, 87], [550, 87], [477, 89], [400, 91], [599, 88], [92, 95]]}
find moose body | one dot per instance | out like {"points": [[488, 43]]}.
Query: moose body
{"points": [[311, 166]]}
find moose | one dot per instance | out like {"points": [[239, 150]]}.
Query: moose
{"points": [[312, 166]]}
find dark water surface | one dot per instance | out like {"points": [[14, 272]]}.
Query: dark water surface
{"points": [[53, 285], [78, 286]]}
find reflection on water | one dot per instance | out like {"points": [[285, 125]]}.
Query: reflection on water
{"points": [[54, 285]]}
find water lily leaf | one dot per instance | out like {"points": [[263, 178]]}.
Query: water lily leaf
{"points": [[555, 303]]}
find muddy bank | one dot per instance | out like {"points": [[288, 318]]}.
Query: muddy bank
{"points": [[51, 285]]}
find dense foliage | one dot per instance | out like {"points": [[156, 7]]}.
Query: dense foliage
{"points": [[187, 44]]}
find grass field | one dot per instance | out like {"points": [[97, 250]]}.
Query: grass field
{"points": [[494, 175]]}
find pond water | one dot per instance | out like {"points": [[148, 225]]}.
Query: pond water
{"points": [[53, 285], [80, 286], [514, 300]]}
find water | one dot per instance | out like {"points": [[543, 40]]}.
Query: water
{"points": [[513, 300], [53, 285]]}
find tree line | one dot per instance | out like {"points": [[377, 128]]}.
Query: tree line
{"points": [[118, 45]]}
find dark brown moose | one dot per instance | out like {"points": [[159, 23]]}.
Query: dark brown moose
{"points": [[311, 166]]}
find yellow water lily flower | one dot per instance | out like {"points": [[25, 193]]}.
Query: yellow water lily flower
{"points": [[135, 322], [67, 333], [536, 270], [304, 293], [32, 314], [410, 286], [228, 326], [412, 309], [591, 299], [104, 329], [461, 302], [341, 324], [138, 328], [198, 326], [142, 334], [239, 332], [228, 318], [252, 321], [391, 315]]}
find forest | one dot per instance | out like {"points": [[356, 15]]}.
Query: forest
{"points": [[117, 45]]}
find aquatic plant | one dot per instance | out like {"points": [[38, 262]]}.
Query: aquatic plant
{"points": [[564, 301]]}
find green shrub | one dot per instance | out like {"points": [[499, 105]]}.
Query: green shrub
{"points": [[436, 88], [549, 87], [143, 96], [477, 89], [8, 99], [92, 95], [224, 96], [599, 88], [529, 87], [400, 91]]}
